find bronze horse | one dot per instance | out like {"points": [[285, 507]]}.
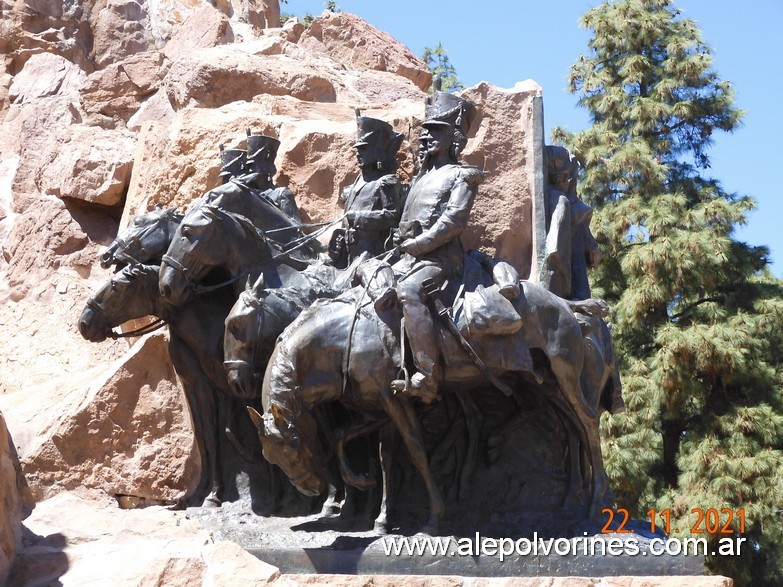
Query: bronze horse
{"points": [[255, 321], [211, 240], [342, 350], [195, 347], [144, 241]]}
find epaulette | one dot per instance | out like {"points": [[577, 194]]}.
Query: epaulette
{"points": [[471, 175], [388, 180]]}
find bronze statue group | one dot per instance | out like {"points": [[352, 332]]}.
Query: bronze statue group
{"points": [[392, 335]]}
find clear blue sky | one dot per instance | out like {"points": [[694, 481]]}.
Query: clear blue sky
{"points": [[505, 41]]}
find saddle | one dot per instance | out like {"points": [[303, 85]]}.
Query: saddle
{"points": [[478, 309]]}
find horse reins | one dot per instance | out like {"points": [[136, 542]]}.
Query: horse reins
{"points": [[142, 330]]}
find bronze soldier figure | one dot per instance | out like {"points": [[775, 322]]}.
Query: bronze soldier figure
{"points": [[570, 246], [435, 214], [372, 203], [260, 170]]}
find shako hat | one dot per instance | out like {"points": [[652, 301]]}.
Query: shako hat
{"points": [[232, 161], [443, 108], [373, 131], [261, 147]]}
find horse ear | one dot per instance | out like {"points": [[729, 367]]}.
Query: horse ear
{"points": [[258, 286], [258, 419]]}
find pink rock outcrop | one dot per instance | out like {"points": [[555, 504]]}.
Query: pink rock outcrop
{"points": [[109, 107], [12, 506], [124, 430], [501, 143], [85, 540], [351, 41]]}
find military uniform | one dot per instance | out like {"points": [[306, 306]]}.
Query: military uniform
{"points": [[375, 207], [435, 214]]}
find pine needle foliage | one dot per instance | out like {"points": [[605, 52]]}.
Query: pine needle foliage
{"points": [[698, 320], [439, 64]]}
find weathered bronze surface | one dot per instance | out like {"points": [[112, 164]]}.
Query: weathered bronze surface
{"points": [[393, 337]]}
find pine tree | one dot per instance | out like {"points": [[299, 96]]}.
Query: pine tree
{"points": [[698, 320], [439, 64]]}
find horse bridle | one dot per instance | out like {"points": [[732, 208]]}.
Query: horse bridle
{"points": [[93, 304], [137, 237]]}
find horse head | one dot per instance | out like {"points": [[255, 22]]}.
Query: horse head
{"points": [[290, 441], [144, 241], [244, 327], [128, 294], [253, 325], [210, 239]]}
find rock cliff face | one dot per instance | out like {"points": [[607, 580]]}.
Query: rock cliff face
{"points": [[109, 107], [12, 505]]}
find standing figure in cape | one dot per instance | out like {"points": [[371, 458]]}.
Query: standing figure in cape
{"points": [[570, 246]]}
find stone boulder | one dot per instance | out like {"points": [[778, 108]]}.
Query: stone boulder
{"points": [[502, 144], [31, 27], [12, 506], [119, 89], [354, 43], [207, 27], [46, 74], [121, 28], [49, 268], [210, 78], [56, 152], [123, 429], [88, 540]]}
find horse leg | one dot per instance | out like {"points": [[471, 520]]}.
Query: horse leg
{"points": [[407, 424], [587, 425], [202, 403], [332, 505], [473, 420], [387, 449], [576, 479], [230, 424], [359, 481]]}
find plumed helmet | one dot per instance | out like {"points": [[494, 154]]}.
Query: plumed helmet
{"points": [[261, 148], [232, 161], [447, 109]]}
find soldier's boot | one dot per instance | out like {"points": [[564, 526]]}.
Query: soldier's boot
{"points": [[424, 345]]}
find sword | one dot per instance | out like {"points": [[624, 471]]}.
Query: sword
{"points": [[432, 291]]}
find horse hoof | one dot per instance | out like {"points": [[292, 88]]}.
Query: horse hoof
{"points": [[211, 502], [330, 511], [428, 530], [380, 528]]}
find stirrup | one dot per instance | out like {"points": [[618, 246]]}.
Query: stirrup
{"points": [[401, 385], [403, 382]]}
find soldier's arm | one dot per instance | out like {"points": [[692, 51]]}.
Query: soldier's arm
{"points": [[455, 216], [287, 202], [387, 213]]}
